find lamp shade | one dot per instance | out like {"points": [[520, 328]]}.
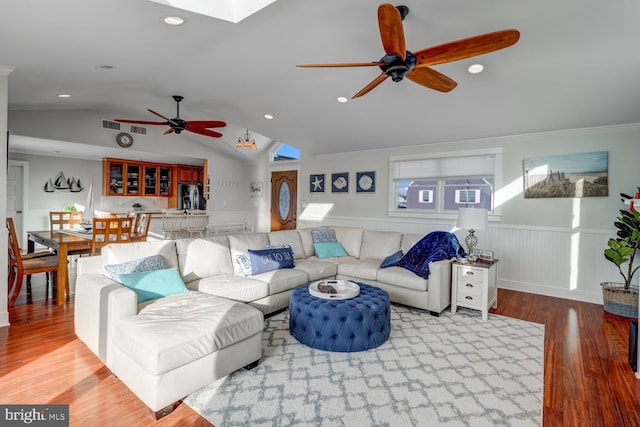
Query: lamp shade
{"points": [[472, 218]]}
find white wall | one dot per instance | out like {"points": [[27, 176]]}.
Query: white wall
{"points": [[547, 246], [4, 79]]}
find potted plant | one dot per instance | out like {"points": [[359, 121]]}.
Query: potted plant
{"points": [[136, 206], [622, 298]]}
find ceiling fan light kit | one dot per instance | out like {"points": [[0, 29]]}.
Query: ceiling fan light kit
{"points": [[399, 63], [177, 125]]}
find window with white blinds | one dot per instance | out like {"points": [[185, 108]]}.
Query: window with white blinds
{"points": [[439, 185]]}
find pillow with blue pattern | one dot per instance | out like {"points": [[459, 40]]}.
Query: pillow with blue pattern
{"points": [[150, 263], [244, 262], [323, 235]]}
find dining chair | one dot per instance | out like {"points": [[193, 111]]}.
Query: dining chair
{"points": [[196, 223], [140, 228], [110, 230], [67, 220], [20, 266], [59, 220], [172, 223], [28, 255]]}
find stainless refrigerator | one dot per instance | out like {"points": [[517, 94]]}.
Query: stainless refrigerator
{"points": [[190, 197]]}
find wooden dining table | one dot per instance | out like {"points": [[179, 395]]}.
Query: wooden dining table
{"points": [[62, 242]]}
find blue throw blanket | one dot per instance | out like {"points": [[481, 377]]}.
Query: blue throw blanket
{"points": [[435, 246]]}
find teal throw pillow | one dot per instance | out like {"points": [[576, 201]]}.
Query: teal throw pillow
{"points": [[329, 249], [263, 260], [321, 235], [391, 260], [150, 285], [150, 263]]}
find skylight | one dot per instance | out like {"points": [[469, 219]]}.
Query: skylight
{"points": [[229, 10]]}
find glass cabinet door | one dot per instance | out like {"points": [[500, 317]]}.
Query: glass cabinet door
{"points": [[164, 183], [116, 171], [150, 180], [133, 179]]}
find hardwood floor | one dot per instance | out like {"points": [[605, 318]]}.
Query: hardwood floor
{"points": [[588, 381]]}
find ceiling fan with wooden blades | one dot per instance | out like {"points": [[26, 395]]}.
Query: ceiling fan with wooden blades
{"points": [[177, 125], [399, 63]]}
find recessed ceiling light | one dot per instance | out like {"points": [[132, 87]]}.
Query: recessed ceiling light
{"points": [[475, 68], [343, 99], [64, 95], [268, 116], [173, 20]]}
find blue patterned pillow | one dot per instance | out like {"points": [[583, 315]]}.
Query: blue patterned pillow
{"points": [[323, 235], [264, 260], [244, 262], [284, 245], [150, 263]]}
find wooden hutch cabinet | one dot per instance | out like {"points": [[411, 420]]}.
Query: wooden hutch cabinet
{"points": [[131, 178], [147, 179]]}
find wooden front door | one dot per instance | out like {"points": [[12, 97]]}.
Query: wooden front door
{"points": [[284, 196]]}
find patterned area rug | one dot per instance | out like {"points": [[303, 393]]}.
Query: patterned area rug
{"points": [[455, 370]]}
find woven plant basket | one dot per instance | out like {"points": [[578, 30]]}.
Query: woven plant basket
{"points": [[620, 301]]}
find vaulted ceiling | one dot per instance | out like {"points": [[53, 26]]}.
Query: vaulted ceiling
{"points": [[576, 65]]}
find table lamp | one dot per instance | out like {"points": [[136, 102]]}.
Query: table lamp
{"points": [[472, 219]]}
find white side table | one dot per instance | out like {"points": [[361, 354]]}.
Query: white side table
{"points": [[474, 285]]}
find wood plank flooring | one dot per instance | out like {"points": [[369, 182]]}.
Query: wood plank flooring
{"points": [[587, 381]]}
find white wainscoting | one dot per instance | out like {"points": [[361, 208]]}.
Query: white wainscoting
{"points": [[558, 262]]}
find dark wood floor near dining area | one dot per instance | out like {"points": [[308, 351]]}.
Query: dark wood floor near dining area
{"points": [[588, 381]]}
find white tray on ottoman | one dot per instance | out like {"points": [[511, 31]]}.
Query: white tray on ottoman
{"points": [[345, 289]]}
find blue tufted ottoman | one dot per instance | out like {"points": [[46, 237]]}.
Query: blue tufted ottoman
{"points": [[355, 324]]}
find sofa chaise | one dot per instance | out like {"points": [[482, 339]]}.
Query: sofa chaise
{"points": [[112, 322]]}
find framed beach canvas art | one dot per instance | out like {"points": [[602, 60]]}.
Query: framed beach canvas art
{"points": [[567, 175]]}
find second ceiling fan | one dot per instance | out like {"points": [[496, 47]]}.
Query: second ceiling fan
{"points": [[399, 63], [177, 125]]}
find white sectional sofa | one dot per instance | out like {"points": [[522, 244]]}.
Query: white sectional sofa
{"points": [[106, 312]]}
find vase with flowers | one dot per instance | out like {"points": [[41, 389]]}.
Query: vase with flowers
{"points": [[622, 298]]}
